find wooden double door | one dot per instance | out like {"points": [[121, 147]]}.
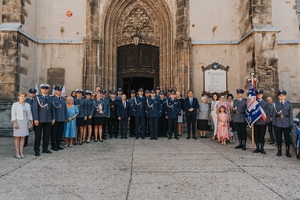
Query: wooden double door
{"points": [[138, 66]]}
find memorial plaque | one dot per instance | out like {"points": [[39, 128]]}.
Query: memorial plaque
{"points": [[215, 80]]}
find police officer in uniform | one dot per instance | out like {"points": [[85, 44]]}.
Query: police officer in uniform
{"points": [[163, 122], [153, 111], [260, 126], [157, 91], [132, 117], [89, 109], [81, 117], [29, 100], [238, 118], [139, 107], [113, 122], [43, 116], [283, 121], [173, 112], [106, 114], [60, 113], [119, 94]]}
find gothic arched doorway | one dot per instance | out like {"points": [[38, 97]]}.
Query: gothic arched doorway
{"points": [[151, 19], [135, 63]]}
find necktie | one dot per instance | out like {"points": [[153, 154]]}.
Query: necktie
{"points": [[191, 101], [124, 104]]}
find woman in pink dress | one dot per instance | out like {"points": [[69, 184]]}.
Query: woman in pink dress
{"points": [[223, 125]]}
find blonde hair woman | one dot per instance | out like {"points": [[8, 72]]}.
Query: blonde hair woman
{"points": [[22, 120]]}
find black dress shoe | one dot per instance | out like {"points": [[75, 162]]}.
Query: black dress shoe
{"points": [[110, 137], [143, 138], [194, 138], [169, 138], [125, 137], [288, 154], [239, 146], [47, 151], [244, 147], [60, 148], [37, 154], [177, 138], [116, 137], [54, 149], [155, 138], [262, 151], [101, 140], [188, 137], [151, 138], [256, 150], [122, 137], [136, 138]]}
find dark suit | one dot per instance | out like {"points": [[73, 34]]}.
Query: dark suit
{"points": [[191, 115], [113, 122], [124, 113]]}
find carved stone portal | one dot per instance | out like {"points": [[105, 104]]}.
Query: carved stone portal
{"points": [[137, 20]]}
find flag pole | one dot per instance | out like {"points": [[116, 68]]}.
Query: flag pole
{"points": [[252, 128]]}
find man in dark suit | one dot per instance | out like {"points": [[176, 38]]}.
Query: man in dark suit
{"points": [[123, 110], [29, 100], [43, 117], [191, 106]]}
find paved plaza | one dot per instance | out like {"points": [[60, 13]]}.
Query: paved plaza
{"points": [[143, 169]]}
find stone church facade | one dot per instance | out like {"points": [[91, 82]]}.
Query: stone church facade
{"points": [[85, 43]]}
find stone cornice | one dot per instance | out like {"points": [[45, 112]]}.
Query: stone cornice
{"points": [[17, 27], [235, 41]]}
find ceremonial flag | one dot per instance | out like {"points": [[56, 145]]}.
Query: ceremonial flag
{"points": [[37, 89], [254, 111]]}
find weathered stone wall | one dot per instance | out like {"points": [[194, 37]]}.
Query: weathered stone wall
{"points": [[182, 68]]}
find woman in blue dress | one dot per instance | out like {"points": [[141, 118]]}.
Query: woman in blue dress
{"points": [[70, 125]]}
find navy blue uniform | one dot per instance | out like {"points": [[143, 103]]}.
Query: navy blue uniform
{"points": [[238, 118], [132, 117], [123, 111], [30, 102], [173, 111], [139, 107], [113, 122], [191, 115], [80, 103], [60, 115], [260, 126], [106, 118], [42, 111], [282, 119], [163, 122], [153, 110], [89, 111]]}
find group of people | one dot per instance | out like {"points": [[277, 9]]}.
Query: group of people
{"points": [[85, 115]]}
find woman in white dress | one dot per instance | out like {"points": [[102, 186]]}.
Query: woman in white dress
{"points": [[213, 114], [22, 120]]}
